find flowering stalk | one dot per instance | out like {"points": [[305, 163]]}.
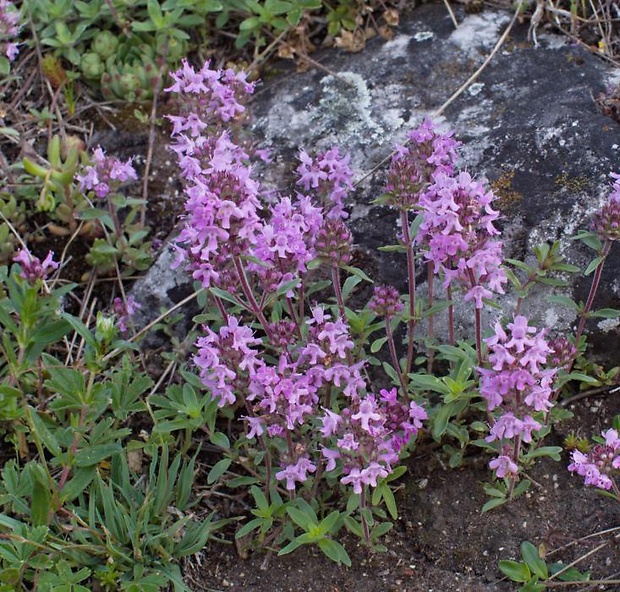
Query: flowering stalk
{"points": [[606, 225], [386, 302], [596, 280], [517, 388]]}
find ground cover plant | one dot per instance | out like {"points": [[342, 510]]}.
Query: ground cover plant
{"points": [[306, 402]]}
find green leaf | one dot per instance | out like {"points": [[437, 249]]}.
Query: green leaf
{"points": [[290, 547], [532, 558], [440, 420], [581, 378], [249, 527], [377, 344], [552, 452], [590, 239], [242, 481], [335, 551], [564, 301], [221, 440], [593, 265], [381, 529], [349, 285], [43, 433], [301, 518], [389, 370], [494, 503], [249, 24], [330, 524], [428, 382], [82, 478], [51, 332], [533, 586], [81, 329], [571, 574], [606, 313], [357, 272], [515, 570], [88, 457], [39, 512], [392, 249], [224, 295], [219, 468], [353, 526]]}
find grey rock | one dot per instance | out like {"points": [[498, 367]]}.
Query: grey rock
{"points": [[529, 121]]}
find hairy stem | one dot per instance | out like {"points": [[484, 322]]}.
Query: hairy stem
{"points": [[393, 354], [404, 220], [596, 280]]}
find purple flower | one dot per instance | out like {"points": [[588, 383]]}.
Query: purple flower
{"points": [[503, 466], [218, 93], [32, 268], [355, 478], [9, 27], [367, 413], [226, 359], [519, 383], [330, 178], [414, 166], [606, 221], [458, 230], [385, 301], [296, 472], [124, 310], [106, 175], [601, 464]]}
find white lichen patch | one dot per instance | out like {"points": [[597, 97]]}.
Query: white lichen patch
{"points": [[397, 47], [345, 109], [475, 89], [607, 325], [479, 32], [423, 36]]}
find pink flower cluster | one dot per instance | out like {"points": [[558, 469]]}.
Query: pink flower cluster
{"points": [[234, 242], [227, 361], [106, 175], [32, 268], [329, 177], [601, 463], [606, 222], [369, 435], [9, 28], [518, 383], [224, 214], [209, 96], [414, 165], [458, 231], [385, 301], [283, 401], [285, 243]]}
